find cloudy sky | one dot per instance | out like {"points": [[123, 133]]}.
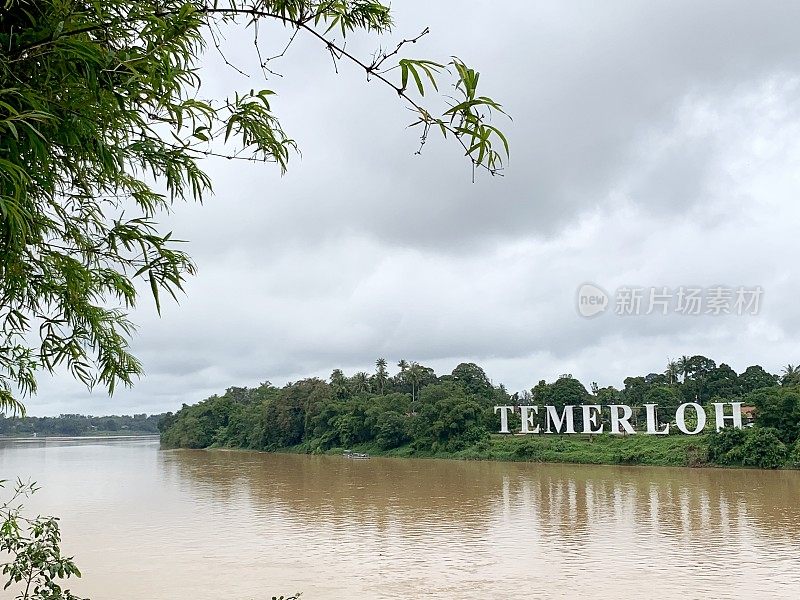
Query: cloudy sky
{"points": [[654, 144]]}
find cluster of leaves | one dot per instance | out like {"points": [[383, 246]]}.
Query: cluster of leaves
{"points": [[778, 408], [696, 379], [753, 447], [102, 129], [35, 564], [794, 455], [414, 407]]}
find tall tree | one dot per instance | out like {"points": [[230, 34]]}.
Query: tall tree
{"points": [[791, 375], [635, 389], [684, 366], [722, 382], [473, 378], [381, 374], [361, 382], [672, 371], [101, 109], [414, 377], [339, 384], [700, 366], [778, 407], [755, 377]]}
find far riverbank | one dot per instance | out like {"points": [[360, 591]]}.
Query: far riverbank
{"points": [[95, 436], [605, 449]]}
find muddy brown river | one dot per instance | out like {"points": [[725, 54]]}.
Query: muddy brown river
{"points": [[151, 524]]}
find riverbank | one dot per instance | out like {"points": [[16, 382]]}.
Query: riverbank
{"points": [[668, 451], [454, 416], [703, 450], [633, 450]]}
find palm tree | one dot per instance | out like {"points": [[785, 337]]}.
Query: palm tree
{"points": [[791, 374], [381, 374], [401, 377], [684, 364], [672, 372], [414, 377], [361, 382], [339, 383]]}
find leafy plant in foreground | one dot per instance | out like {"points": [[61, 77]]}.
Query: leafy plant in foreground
{"points": [[36, 567]]}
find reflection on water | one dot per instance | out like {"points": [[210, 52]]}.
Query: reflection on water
{"points": [[145, 523]]}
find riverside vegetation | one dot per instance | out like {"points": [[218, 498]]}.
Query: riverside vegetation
{"points": [[78, 425], [417, 413]]}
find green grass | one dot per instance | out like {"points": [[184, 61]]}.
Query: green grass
{"points": [[675, 450], [601, 449]]}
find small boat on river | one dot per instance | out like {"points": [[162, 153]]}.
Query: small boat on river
{"points": [[355, 455]]}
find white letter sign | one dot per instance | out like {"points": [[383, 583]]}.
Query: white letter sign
{"points": [[503, 417], [527, 419], [553, 418], [719, 414], [680, 418], [617, 419]]}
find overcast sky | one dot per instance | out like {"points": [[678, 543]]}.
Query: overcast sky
{"points": [[654, 144]]}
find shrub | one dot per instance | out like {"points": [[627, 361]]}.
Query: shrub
{"points": [[794, 457], [696, 455], [528, 450], [32, 549], [763, 448], [725, 446], [392, 430], [628, 456], [752, 447], [778, 408]]}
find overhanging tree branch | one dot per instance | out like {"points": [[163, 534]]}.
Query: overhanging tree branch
{"points": [[99, 113]]}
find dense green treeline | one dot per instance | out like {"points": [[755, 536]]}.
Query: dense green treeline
{"points": [[414, 407], [416, 412], [77, 425]]}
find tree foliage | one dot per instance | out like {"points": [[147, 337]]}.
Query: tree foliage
{"points": [[763, 448], [432, 413], [752, 447], [794, 457], [103, 127], [35, 567], [78, 425], [778, 408], [725, 446], [419, 412]]}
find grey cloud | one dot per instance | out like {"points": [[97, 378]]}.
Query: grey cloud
{"points": [[653, 144], [591, 87]]}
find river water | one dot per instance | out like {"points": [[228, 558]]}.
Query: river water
{"points": [[151, 524]]}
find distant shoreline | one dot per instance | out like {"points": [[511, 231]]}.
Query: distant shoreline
{"points": [[93, 436]]}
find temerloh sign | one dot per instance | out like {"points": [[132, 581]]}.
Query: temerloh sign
{"points": [[619, 416]]}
